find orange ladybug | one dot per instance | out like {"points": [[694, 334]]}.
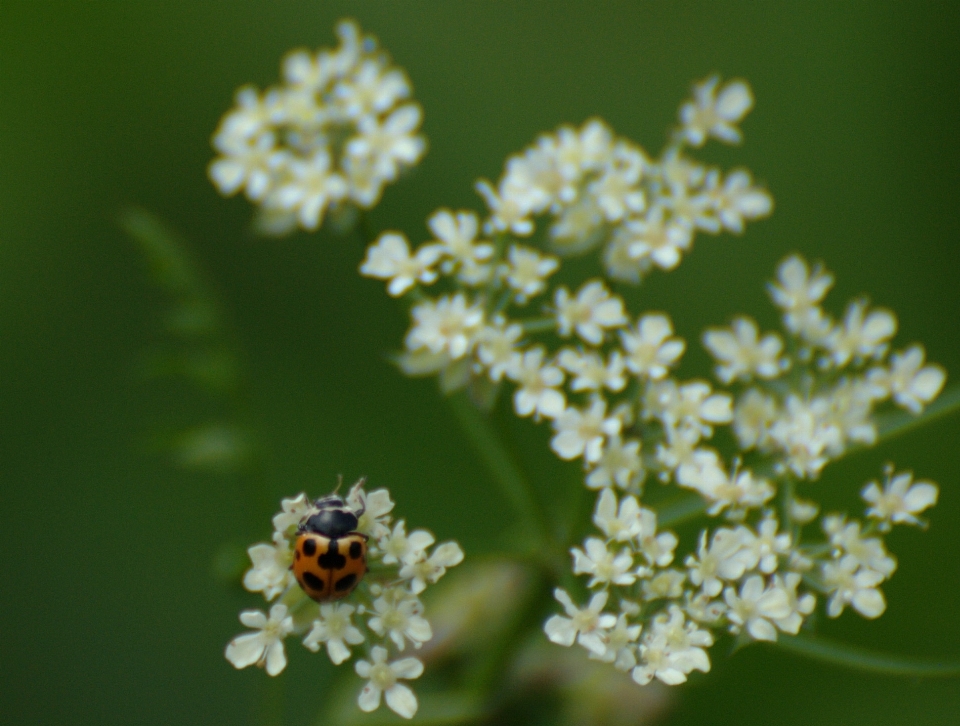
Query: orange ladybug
{"points": [[330, 556]]}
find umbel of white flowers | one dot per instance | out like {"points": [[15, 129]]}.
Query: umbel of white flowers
{"points": [[602, 376], [337, 129], [384, 613]]}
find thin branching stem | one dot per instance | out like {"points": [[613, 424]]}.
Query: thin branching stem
{"points": [[864, 659], [504, 471]]}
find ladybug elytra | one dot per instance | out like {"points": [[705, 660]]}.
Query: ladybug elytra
{"points": [[330, 556]]}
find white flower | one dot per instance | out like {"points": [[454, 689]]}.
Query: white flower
{"points": [[449, 326], [753, 415], [901, 500], [799, 293], [739, 200], [586, 625], [701, 608], [537, 386], [868, 552], [671, 649], [383, 679], [803, 511], [581, 433], [693, 404], [651, 349], [376, 516], [619, 464], [497, 347], [335, 629], [372, 89], [617, 192], [739, 491], [422, 571], [619, 645], [656, 548], [666, 584], [851, 584], [270, 573], [680, 450], [807, 434], [693, 208], [724, 559], [398, 547], [657, 237], [389, 259], [265, 647], [508, 211], [457, 234], [591, 373], [399, 617], [605, 566], [385, 145], [528, 270], [740, 352], [620, 525], [713, 114], [770, 544], [590, 313], [292, 511], [908, 380], [800, 606], [861, 335], [756, 608], [310, 187], [332, 131]]}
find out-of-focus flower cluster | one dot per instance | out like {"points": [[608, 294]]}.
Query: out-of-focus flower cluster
{"points": [[336, 131], [603, 379], [384, 613]]}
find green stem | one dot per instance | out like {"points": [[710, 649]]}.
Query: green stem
{"points": [[539, 325], [500, 464], [852, 656], [496, 663], [681, 509], [898, 423]]}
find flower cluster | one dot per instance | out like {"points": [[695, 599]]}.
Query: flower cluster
{"points": [[384, 613], [589, 188], [838, 372], [604, 380], [333, 134], [755, 577]]}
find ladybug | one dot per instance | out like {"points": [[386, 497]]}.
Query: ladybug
{"points": [[330, 557]]}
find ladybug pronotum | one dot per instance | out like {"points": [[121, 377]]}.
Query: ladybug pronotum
{"points": [[330, 557]]}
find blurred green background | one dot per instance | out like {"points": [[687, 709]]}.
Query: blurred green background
{"points": [[112, 611]]}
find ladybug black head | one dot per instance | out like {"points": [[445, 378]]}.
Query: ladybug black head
{"points": [[331, 522]]}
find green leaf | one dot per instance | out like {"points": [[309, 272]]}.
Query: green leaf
{"points": [[167, 255], [864, 659]]}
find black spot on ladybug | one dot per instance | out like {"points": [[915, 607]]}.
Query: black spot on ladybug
{"points": [[345, 582], [313, 582], [332, 560], [309, 547], [355, 550]]}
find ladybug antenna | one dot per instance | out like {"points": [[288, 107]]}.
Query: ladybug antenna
{"points": [[339, 483]]}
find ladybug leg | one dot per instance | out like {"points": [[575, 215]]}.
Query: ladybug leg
{"points": [[354, 489]]}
